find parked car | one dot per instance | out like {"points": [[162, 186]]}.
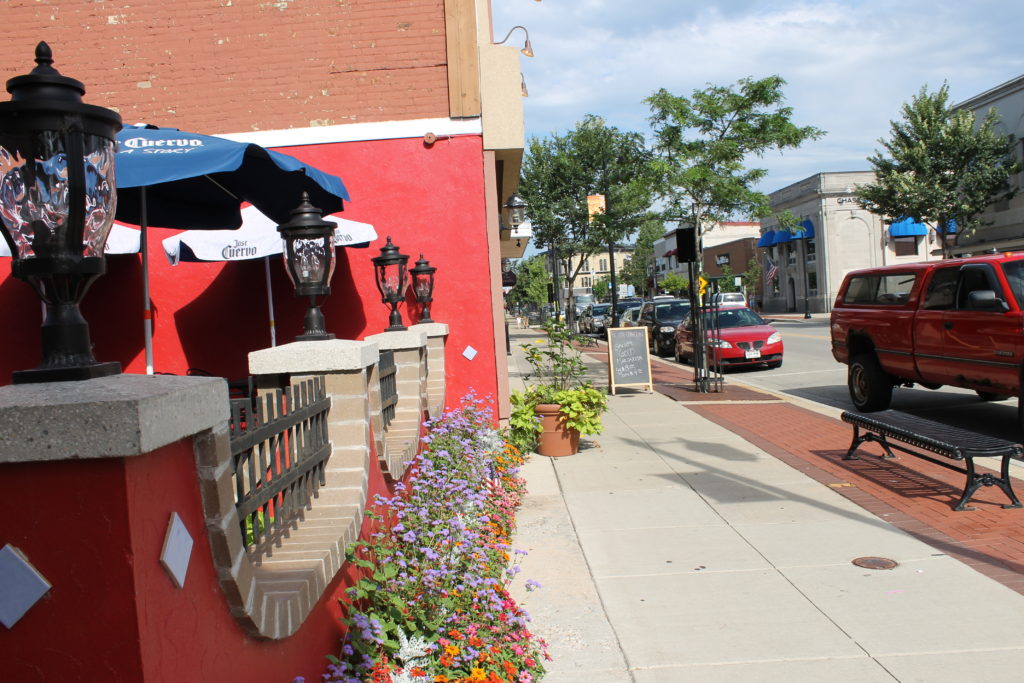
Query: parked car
{"points": [[581, 301], [629, 316], [595, 318], [955, 322], [729, 299], [661, 317], [740, 337]]}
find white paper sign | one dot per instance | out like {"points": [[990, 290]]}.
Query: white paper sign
{"points": [[469, 353]]}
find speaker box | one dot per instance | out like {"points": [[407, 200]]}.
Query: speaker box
{"points": [[686, 245]]}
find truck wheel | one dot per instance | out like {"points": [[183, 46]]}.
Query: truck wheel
{"points": [[989, 396], [870, 387]]}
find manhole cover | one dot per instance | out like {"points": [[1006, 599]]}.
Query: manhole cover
{"points": [[875, 562]]}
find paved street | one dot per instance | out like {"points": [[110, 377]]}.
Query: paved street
{"points": [[710, 537]]}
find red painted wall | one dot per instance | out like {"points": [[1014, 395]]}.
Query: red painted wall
{"points": [[210, 316], [95, 529]]}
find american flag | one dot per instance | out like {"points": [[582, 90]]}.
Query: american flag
{"points": [[770, 270]]}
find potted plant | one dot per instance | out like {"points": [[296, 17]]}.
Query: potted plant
{"points": [[560, 406]]}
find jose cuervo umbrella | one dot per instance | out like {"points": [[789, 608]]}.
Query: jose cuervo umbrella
{"points": [[173, 179]]}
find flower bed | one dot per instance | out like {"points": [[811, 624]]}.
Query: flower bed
{"points": [[433, 604]]}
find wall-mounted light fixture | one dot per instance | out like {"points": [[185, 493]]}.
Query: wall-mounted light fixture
{"points": [[527, 48], [515, 210]]}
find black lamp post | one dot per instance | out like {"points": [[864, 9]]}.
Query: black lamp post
{"points": [[423, 285], [309, 262], [57, 203], [389, 269]]}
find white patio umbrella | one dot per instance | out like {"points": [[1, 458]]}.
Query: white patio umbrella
{"points": [[257, 238], [121, 240]]}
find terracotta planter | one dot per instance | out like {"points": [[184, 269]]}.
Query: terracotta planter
{"points": [[556, 439]]}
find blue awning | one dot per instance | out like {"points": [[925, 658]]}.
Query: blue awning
{"points": [[767, 239], [805, 230], [781, 236], [907, 227]]}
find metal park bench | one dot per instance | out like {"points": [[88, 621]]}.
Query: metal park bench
{"points": [[888, 426]]}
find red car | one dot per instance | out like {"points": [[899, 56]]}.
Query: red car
{"points": [[742, 337]]}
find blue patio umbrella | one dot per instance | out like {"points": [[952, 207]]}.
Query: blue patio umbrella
{"points": [[174, 179]]}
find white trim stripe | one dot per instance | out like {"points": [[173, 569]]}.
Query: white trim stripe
{"points": [[357, 132]]}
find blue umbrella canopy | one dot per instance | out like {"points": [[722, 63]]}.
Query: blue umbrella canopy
{"points": [[169, 178], [199, 182]]}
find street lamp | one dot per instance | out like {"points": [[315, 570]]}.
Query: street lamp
{"points": [[389, 270], [57, 203], [423, 284], [309, 262]]}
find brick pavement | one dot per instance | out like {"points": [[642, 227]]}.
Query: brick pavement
{"points": [[912, 494]]}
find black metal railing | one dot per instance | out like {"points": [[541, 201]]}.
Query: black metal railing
{"points": [[388, 386], [279, 446]]}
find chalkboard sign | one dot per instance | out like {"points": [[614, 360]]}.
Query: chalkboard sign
{"points": [[628, 362]]}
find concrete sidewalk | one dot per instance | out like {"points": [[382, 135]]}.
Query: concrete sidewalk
{"points": [[673, 549]]}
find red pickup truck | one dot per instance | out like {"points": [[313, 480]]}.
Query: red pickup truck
{"points": [[958, 322]]}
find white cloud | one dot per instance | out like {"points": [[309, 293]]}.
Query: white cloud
{"points": [[849, 64]]}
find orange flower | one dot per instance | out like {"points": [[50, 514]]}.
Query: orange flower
{"points": [[477, 676], [440, 678], [510, 670], [451, 650]]}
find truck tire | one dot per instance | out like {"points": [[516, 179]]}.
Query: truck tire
{"points": [[870, 386], [989, 396]]}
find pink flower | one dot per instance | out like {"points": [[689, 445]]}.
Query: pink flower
{"points": [[525, 677]]}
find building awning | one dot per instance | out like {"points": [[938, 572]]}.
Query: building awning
{"points": [[781, 236], [767, 239], [670, 252], [907, 227], [805, 230]]}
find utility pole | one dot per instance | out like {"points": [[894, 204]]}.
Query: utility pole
{"points": [[554, 279]]}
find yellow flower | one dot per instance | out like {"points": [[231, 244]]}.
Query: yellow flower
{"points": [[477, 675]]}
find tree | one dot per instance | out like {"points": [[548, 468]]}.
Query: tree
{"points": [[727, 280], [561, 171], [940, 168], [532, 280], [752, 278], [703, 143], [674, 283], [634, 272], [603, 288]]}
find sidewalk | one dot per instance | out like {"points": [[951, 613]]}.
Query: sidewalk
{"points": [[710, 538]]}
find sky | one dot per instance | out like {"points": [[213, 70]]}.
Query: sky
{"points": [[849, 65]]}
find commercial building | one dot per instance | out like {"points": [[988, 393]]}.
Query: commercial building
{"points": [[411, 104]]}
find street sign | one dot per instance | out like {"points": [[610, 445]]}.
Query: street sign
{"points": [[703, 285]]}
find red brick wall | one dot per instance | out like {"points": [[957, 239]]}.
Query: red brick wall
{"points": [[222, 66]]}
